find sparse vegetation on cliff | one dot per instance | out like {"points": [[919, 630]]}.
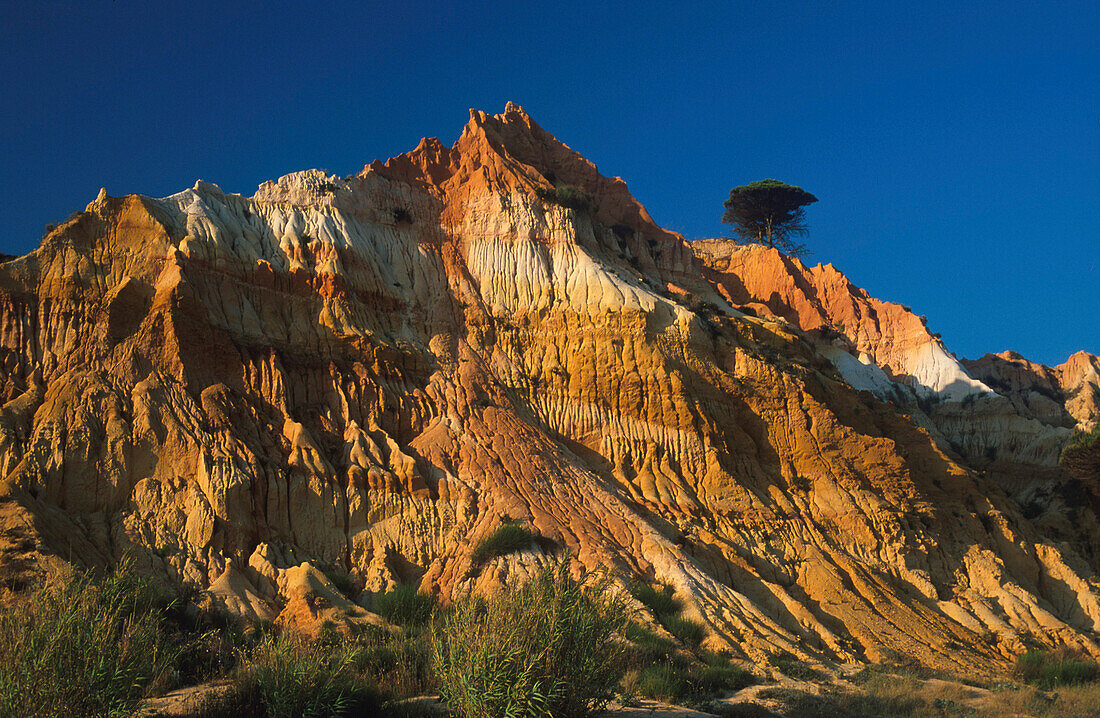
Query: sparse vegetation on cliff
{"points": [[565, 195], [508, 538], [769, 212], [669, 612]]}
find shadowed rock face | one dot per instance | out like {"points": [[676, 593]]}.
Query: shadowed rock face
{"points": [[364, 374]]}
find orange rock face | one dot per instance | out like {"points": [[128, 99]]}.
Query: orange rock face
{"points": [[821, 301], [1075, 385], [363, 375]]}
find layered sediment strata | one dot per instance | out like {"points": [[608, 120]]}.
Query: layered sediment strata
{"points": [[363, 375]]}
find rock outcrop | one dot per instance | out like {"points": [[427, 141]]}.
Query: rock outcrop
{"points": [[1067, 394], [823, 302], [350, 381]]}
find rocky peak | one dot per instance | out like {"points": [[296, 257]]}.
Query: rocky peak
{"points": [[363, 375]]}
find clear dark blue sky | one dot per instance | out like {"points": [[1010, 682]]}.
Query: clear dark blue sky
{"points": [[955, 147]]}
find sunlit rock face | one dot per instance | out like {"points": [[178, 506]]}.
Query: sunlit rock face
{"points": [[822, 301], [1068, 393], [365, 374], [1000, 408]]}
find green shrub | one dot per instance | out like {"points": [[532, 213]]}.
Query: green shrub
{"points": [[209, 644], [684, 629], [342, 582], [405, 605], [1081, 439], [713, 680], [792, 667], [1048, 669], [662, 681], [81, 647], [687, 679], [400, 661], [658, 600], [544, 648], [566, 196], [648, 644], [289, 676], [668, 611], [508, 538]]}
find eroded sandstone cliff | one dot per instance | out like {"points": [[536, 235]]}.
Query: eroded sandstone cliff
{"points": [[363, 375], [1001, 415]]}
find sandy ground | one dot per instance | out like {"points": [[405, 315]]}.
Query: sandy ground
{"points": [[186, 701]]}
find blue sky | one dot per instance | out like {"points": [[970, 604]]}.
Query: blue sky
{"points": [[954, 147]]}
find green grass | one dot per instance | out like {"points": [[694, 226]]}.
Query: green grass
{"points": [[1081, 439], [669, 612], [648, 644], [792, 667], [679, 679], [660, 668], [686, 630], [507, 538], [342, 582], [289, 676], [714, 680], [663, 681], [84, 647], [656, 599], [405, 605], [566, 196], [1050, 669], [400, 661], [544, 648]]}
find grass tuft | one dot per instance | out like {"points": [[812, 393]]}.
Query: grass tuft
{"points": [[543, 648], [669, 612], [81, 647], [1050, 669], [657, 599], [685, 629], [508, 538], [405, 605], [289, 676], [566, 196]]}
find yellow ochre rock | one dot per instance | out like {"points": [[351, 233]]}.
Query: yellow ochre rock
{"points": [[361, 376]]}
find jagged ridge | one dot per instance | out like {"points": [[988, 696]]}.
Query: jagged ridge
{"points": [[365, 373]]}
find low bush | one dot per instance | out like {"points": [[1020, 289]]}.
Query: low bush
{"points": [[686, 630], [663, 681], [405, 605], [342, 582], [648, 645], [714, 680], [683, 680], [657, 599], [289, 676], [792, 667], [668, 610], [508, 538], [1081, 439], [544, 648], [400, 661], [78, 646], [1050, 669], [566, 196], [209, 644]]}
